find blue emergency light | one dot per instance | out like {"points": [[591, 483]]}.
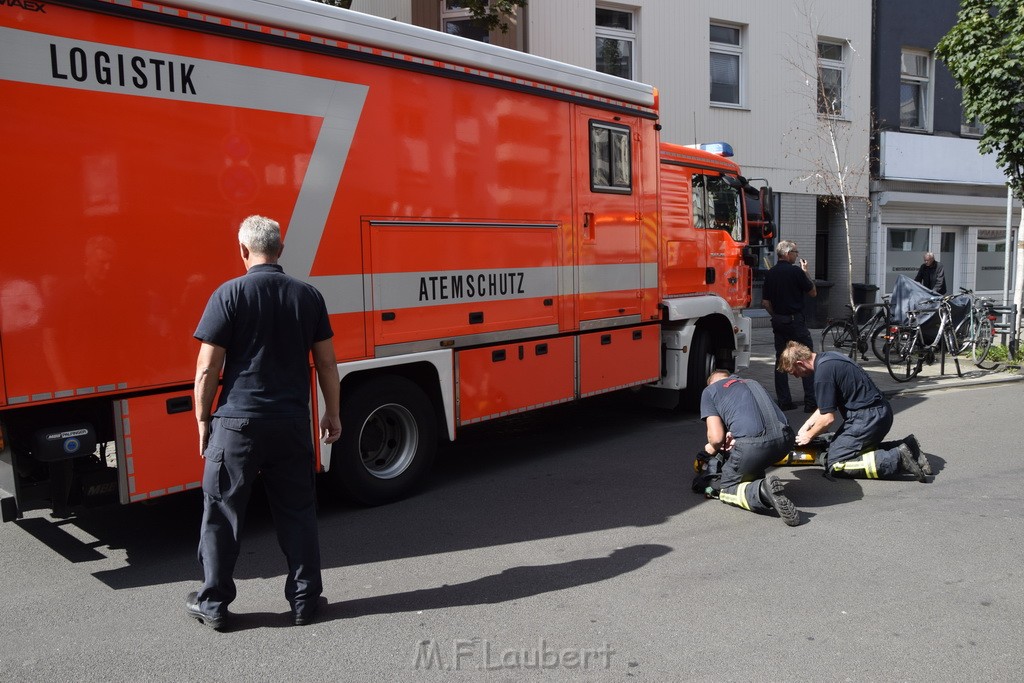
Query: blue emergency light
{"points": [[720, 148]]}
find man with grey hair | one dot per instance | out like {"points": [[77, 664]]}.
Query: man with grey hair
{"points": [[931, 274], [783, 297], [260, 328]]}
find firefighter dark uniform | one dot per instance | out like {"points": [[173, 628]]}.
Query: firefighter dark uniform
{"points": [[267, 322], [856, 449], [785, 285], [762, 437]]}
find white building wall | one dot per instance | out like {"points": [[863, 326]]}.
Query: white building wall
{"points": [[399, 10], [772, 132]]}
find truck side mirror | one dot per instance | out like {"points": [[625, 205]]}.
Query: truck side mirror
{"points": [[767, 199]]}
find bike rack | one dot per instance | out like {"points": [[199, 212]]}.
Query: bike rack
{"points": [[942, 362], [1007, 326]]}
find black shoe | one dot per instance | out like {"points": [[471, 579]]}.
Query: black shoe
{"points": [[306, 614], [919, 455], [909, 463], [810, 407], [771, 494], [215, 621], [786, 405]]}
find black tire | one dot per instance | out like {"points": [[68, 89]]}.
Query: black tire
{"points": [[388, 440], [901, 359], [879, 338], [841, 337], [698, 368], [962, 333], [982, 344]]}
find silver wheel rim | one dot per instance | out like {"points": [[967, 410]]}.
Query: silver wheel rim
{"points": [[388, 441]]}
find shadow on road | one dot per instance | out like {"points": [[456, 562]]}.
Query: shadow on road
{"points": [[512, 584], [603, 463]]}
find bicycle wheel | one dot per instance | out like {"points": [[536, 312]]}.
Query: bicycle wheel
{"points": [[879, 338], [982, 343], [839, 336], [901, 358], [963, 333]]}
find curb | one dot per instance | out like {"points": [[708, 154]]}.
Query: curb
{"points": [[952, 384]]}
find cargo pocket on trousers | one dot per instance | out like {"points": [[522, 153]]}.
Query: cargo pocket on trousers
{"points": [[213, 472]]}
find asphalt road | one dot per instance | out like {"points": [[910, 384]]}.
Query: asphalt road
{"points": [[566, 545]]}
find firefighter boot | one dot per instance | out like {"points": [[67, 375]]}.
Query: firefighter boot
{"points": [[919, 455], [908, 463], [771, 494]]}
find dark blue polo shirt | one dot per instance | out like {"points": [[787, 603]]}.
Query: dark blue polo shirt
{"points": [[268, 322], [840, 384], [731, 400], [784, 286]]}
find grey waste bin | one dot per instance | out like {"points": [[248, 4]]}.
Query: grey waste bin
{"points": [[864, 294], [816, 307]]}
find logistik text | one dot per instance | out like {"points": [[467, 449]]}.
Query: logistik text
{"points": [[123, 70]]}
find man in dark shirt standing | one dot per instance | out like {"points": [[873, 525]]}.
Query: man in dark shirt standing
{"points": [[784, 288], [856, 450], [261, 328], [743, 423], [931, 274]]}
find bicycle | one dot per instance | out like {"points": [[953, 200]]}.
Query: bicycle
{"points": [[906, 350], [847, 336], [975, 331]]}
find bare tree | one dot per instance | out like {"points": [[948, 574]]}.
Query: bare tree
{"points": [[824, 137]]}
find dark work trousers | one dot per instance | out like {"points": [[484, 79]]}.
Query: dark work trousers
{"points": [[856, 449], [743, 471], [785, 332], [282, 450]]}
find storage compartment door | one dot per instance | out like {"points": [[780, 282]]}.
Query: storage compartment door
{"points": [[157, 446], [512, 378], [616, 359]]}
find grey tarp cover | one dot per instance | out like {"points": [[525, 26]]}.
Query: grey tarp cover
{"points": [[908, 295]]}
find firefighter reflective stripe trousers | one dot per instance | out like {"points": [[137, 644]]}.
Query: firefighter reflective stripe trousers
{"points": [[857, 450], [743, 472], [238, 450]]}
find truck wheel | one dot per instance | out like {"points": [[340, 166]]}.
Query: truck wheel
{"points": [[388, 440], [698, 368]]}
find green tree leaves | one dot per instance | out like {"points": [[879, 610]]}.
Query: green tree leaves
{"points": [[985, 53]]}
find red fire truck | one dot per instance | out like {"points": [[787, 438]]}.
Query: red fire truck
{"points": [[493, 232]]}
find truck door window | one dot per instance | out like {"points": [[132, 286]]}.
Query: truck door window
{"points": [[610, 158], [716, 206]]}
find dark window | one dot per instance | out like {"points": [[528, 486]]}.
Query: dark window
{"points": [[610, 158]]}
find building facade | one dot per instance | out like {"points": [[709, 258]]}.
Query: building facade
{"points": [[931, 188]]}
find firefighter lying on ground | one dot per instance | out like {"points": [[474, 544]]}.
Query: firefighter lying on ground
{"points": [[752, 433]]}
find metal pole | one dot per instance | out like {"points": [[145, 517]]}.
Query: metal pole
{"points": [[1006, 256]]}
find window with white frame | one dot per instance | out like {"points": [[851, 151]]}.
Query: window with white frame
{"points": [[991, 259], [726, 64], [973, 128], [615, 31], [456, 20], [915, 90], [831, 77]]}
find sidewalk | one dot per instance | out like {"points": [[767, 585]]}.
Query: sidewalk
{"points": [[762, 367]]}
